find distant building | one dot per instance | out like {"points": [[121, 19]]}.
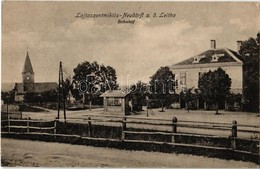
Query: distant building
{"points": [[28, 85], [188, 72], [122, 100], [116, 98]]}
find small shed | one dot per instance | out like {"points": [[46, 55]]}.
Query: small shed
{"points": [[116, 98]]}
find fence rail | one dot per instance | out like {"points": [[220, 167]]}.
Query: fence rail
{"points": [[165, 122], [174, 124], [161, 120]]}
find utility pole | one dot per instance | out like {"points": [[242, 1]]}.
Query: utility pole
{"points": [[59, 94], [64, 94], [61, 90]]}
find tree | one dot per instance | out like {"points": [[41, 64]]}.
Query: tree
{"points": [[7, 97], [49, 96], [249, 51], [162, 85], [31, 97], [93, 79], [215, 86], [139, 91], [67, 86], [233, 101], [188, 97]]}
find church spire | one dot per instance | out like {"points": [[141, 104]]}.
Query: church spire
{"points": [[28, 74], [27, 64]]}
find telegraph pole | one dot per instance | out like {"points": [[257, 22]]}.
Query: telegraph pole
{"points": [[59, 94], [61, 91]]}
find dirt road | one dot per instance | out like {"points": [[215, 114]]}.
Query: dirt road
{"points": [[193, 115], [182, 115], [35, 153]]}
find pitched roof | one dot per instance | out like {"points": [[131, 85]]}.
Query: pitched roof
{"points": [[27, 65], [21, 88], [115, 93], [226, 55]]}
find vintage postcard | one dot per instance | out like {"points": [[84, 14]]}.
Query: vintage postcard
{"points": [[130, 84]]}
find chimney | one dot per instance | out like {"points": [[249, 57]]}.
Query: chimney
{"points": [[213, 44], [239, 44]]}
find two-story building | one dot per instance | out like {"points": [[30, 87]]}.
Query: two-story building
{"points": [[188, 72]]}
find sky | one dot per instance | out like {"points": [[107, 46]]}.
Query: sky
{"points": [[53, 34]]}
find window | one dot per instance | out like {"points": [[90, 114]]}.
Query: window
{"points": [[183, 78], [196, 60]]}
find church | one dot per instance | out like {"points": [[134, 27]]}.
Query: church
{"points": [[28, 85]]}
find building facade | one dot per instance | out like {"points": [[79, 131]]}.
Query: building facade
{"points": [[188, 72]]}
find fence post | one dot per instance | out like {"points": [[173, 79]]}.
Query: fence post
{"points": [[174, 128], [233, 134], [89, 127], [8, 121], [55, 130], [28, 129], [123, 127]]}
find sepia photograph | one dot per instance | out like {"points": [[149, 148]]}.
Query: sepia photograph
{"points": [[130, 84]]}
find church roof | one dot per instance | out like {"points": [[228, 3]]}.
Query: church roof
{"points": [[27, 65], [224, 55], [22, 88]]}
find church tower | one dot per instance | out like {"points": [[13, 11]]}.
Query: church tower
{"points": [[28, 74]]}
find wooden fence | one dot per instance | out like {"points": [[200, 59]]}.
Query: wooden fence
{"points": [[173, 124], [28, 126], [210, 127]]}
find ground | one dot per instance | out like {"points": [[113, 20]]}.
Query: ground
{"points": [[42, 154], [34, 153], [155, 114], [193, 115]]}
